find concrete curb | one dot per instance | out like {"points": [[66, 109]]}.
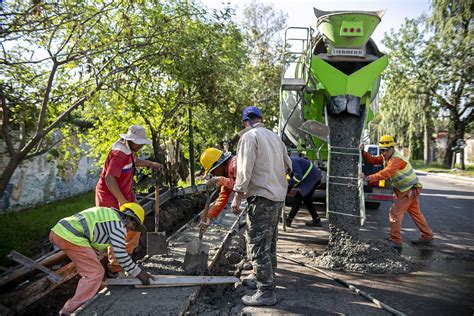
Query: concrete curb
{"points": [[446, 175]]}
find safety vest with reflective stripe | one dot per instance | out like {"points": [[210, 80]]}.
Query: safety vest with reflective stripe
{"points": [[297, 181], [405, 179], [79, 228]]}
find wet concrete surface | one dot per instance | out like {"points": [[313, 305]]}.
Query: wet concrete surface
{"points": [[442, 282], [126, 300]]}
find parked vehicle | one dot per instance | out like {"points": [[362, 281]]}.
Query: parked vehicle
{"points": [[375, 192]]}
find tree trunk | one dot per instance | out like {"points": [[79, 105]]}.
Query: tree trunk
{"points": [[448, 156], [191, 147], [427, 131], [427, 144], [8, 173]]}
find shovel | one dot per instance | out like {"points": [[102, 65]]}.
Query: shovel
{"points": [[197, 253], [156, 241]]}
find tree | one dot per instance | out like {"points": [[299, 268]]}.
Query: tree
{"points": [[405, 111], [262, 26], [452, 61], [431, 71], [57, 56], [200, 71]]}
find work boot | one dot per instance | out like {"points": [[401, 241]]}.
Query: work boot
{"points": [[260, 298], [245, 264], [396, 245], [424, 242], [314, 223], [250, 281]]}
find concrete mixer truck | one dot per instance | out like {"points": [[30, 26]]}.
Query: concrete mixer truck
{"points": [[329, 85]]}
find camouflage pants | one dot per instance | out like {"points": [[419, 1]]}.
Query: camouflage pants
{"points": [[262, 235]]}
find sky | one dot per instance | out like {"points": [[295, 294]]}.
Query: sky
{"points": [[300, 12]]}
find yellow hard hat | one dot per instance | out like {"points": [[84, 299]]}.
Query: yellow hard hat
{"points": [[386, 141], [135, 211], [211, 158]]}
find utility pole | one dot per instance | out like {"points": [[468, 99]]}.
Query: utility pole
{"points": [[191, 146]]}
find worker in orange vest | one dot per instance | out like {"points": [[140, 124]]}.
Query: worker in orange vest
{"points": [[407, 189]]}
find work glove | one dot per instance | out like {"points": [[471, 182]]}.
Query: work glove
{"points": [[363, 177], [204, 225], [145, 277]]}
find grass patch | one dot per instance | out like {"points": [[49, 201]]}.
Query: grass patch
{"points": [[438, 167], [23, 229]]}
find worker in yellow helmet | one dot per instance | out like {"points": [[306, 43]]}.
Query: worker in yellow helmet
{"points": [[222, 166], [97, 228], [407, 188]]}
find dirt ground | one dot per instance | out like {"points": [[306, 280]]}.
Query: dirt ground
{"points": [[123, 300]]}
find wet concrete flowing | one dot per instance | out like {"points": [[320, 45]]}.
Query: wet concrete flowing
{"points": [[345, 251]]}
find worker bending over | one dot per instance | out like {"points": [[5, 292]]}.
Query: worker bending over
{"points": [[223, 168], [305, 177], [93, 229], [407, 188]]}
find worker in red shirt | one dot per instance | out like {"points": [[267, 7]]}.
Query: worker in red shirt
{"points": [[115, 186], [407, 189], [223, 168]]}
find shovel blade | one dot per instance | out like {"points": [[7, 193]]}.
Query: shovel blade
{"points": [[196, 258], [156, 243]]}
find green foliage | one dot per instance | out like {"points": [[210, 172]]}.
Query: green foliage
{"points": [[427, 86], [24, 230], [262, 25], [78, 72]]}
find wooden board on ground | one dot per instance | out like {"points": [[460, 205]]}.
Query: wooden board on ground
{"points": [[175, 280], [27, 262]]}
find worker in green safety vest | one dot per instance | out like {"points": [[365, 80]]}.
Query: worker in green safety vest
{"points": [[407, 189], [91, 230]]}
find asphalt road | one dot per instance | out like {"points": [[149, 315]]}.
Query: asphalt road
{"points": [[443, 282], [448, 206]]}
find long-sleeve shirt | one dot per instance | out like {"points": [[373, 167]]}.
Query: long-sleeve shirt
{"points": [[262, 163], [113, 233], [227, 185], [393, 165]]}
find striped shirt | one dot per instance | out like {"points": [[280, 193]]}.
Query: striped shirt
{"points": [[113, 233]]}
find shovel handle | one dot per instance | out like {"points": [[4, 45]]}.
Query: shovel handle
{"points": [[157, 201], [205, 211]]}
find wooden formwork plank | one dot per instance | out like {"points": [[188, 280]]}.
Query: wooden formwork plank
{"points": [[175, 280], [9, 280], [21, 298], [27, 262]]}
